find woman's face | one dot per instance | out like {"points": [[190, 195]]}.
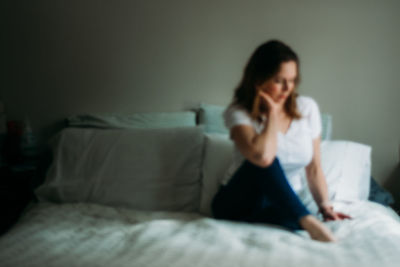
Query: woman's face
{"points": [[281, 85]]}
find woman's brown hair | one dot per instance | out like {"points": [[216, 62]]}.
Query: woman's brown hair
{"points": [[264, 63]]}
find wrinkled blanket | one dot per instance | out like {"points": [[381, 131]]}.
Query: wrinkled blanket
{"points": [[92, 235]]}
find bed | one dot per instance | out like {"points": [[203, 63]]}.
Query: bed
{"points": [[135, 191]]}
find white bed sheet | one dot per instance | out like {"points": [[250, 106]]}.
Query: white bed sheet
{"points": [[93, 235]]}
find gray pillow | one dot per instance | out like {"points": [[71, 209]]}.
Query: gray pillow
{"points": [[136, 120], [147, 169]]}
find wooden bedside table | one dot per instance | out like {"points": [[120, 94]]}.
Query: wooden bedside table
{"points": [[16, 192]]}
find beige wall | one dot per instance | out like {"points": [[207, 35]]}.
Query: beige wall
{"points": [[80, 56]]}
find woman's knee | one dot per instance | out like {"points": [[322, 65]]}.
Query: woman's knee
{"points": [[272, 170], [266, 165]]}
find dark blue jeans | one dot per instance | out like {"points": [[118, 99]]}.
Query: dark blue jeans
{"points": [[259, 195]]}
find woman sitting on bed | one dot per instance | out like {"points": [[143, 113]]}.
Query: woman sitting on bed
{"points": [[276, 134]]}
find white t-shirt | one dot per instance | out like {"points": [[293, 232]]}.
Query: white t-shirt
{"points": [[295, 147]]}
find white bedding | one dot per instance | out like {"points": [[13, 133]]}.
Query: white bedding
{"points": [[94, 235]]}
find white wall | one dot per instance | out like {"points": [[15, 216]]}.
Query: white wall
{"points": [[80, 56]]}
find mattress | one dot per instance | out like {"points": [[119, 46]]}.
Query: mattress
{"points": [[93, 235]]}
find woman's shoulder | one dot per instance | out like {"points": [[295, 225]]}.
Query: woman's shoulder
{"points": [[305, 100], [309, 109], [306, 104], [235, 114], [233, 109]]}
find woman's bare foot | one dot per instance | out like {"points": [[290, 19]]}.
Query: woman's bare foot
{"points": [[316, 229]]}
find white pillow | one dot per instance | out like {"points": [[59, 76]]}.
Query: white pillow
{"points": [[347, 169], [355, 164], [346, 165], [148, 169], [217, 159]]}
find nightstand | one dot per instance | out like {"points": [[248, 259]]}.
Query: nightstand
{"points": [[16, 192]]}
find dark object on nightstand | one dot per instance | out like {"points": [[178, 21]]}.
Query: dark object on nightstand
{"points": [[16, 192]]}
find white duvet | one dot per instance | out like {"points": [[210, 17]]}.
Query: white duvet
{"points": [[92, 235]]}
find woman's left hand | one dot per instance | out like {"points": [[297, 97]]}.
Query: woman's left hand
{"points": [[330, 215]]}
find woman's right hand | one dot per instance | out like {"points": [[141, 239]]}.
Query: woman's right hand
{"points": [[273, 107]]}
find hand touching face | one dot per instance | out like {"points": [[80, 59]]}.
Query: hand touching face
{"points": [[282, 84]]}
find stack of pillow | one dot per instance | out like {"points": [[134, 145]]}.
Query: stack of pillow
{"points": [[168, 161], [148, 161]]}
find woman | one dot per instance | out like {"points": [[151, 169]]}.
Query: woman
{"points": [[276, 134]]}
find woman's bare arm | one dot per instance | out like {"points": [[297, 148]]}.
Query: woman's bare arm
{"points": [[318, 187], [315, 176], [259, 149]]}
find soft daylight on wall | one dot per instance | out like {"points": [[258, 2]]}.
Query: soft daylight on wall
{"points": [[89, 56]]}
